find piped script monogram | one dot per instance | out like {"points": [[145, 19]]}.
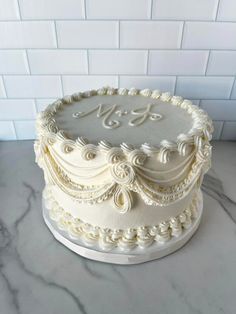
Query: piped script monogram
{"points": [[141, 115]]}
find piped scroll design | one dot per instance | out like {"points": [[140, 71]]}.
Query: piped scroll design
{"points": [[123, 173], [101, 111], [142, 114], [126, 173], [122, 199]]}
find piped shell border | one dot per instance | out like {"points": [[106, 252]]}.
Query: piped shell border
{"points": [[126, 239]]}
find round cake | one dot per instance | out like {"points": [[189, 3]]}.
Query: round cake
{"points": [[123, 170]]}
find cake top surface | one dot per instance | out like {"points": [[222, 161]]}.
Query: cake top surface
{"points": [[118, 116], [123, 118]]}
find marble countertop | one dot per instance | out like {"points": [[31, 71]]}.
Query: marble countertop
{"points": [[39, 275]]}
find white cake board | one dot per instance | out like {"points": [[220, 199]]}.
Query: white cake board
{"points": [[117, 256]]}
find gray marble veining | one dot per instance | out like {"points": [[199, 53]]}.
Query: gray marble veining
{"points": [[39, 275]]}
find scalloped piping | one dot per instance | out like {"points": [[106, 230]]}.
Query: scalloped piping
{"points": [[127, 239], [124, 176]]}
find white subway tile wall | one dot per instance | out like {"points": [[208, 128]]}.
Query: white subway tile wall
{"points": [[150, 35], [218, 127], [217, 64], [178, 62], [229, 131], [8, 131], [185, 10], [17, 109], [2, 89], [118, 9], [208, 87], [166, 83], [88, 34], [25, 130], [118, 61], [72, 83], [227, 10], [49, 48], [58, 61], [42, 103], [22, 86], [9, 10], [51, 9], [233, 93], [24, 34], [13, 62]]}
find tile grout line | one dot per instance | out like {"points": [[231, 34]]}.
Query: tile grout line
{"points": [[148, 20], [232, 88], [14, 128], [35, 105], [182, 36], [123, 74], [222, 128], [88, 63], [176, 78], [151, 10], [18, 5], [85, 9], [28, 63], [122, 49], [119, 34], [21, 120], [56, 36], [62, 85], [207, 62], [4, 86], [217, 11], [147, 65]]}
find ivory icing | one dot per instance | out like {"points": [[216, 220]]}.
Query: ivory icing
{"points": [[124, 185], [126, 239], [142, 114]]}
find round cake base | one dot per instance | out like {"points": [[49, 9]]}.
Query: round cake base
{"points": [[118, 256]]}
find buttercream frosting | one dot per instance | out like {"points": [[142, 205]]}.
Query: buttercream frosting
{"points": [[131, 161]]}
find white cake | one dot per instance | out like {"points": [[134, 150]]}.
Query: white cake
{"points": [[123, 170]]}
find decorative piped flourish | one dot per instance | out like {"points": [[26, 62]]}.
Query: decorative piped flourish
{"points": [[127, 239], [125, 172], [142, 114], [115, 155], [122, 199], [121, 113], [107, 123], [89, 151], [123, 175]]}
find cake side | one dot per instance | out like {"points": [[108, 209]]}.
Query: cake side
{"points": [[125, 239]]}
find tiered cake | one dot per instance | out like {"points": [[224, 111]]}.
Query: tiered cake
{"points": [[123, 170]]}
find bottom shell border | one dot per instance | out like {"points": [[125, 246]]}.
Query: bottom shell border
{"points": [[118, 256]]}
